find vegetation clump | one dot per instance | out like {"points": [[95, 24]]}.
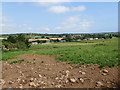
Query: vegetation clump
{"points": [[16, 42], [17, 61]]}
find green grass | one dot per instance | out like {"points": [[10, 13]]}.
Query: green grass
{"points": [[30, 62], [12, 54], [17, 61], [103, 52]]}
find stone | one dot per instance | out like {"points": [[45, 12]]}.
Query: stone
{"points": [[2, 81], [72, 80], [32, 84], [83, 73], [40, 75], [104, 74], [82, 80], [32, 79], [20, 86], [11, 82], [105, 71], [58, 86], [56, 78], [99, 83]]}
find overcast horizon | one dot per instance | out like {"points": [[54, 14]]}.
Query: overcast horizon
{"points": [[59, 17]]}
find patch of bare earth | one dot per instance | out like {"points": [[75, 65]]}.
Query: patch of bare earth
{"points": [[46, 72]]}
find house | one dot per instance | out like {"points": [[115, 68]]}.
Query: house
{"points": [[84, 39], [78, 40], [56, 38], [95, 38], [90, 39], [62, 40], [34, 43]]}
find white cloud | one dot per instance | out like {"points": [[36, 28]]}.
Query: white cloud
{"points": [[45, 28], [72, 19], [59, 9], [46, 3], [79, 8], [74, 24], [50, 2], [64, 9]]}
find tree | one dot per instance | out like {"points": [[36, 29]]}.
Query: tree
{"points": [[12, 39], [42, 36], [19, 42]]}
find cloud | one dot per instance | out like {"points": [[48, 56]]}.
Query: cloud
{"points": [[43, 28], [79, 8], [50, 2], [74, 24], [59, 9], [72, 19], [64, 9]]}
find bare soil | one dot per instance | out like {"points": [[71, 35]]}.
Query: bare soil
{"points": [[46, 72]]}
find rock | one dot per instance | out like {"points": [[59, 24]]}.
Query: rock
{"points": [[32, 79], [104, 74], [105, 71], [11, 82], [56, 78], [67, 73], [83, 73], [52, 83], [58, 86], [70, 67], [66, 81], [80, 71], [72, 80], [40, 75], [20, 72], [18, 66], [82, 80], [18, 80], [24, 81], [99, 83], [20, 86], [32, 84], [2, 81]]}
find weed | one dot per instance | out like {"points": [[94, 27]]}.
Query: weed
{"points": [[42, 61], [17, 61]]}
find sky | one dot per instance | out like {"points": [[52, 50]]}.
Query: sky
{"points": [[59, 17]]}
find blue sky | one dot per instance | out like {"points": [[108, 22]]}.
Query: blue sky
{"points": [[66, 17]]}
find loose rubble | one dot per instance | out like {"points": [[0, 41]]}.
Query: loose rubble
{"points": [[53, 74]]}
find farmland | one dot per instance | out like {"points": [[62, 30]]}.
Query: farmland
{"points": [[63, 65], [102, 52]]}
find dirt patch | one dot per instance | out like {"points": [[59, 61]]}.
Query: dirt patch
{"points": [[42, 71]]}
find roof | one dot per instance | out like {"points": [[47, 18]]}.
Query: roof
{"points": [[43, 39]]}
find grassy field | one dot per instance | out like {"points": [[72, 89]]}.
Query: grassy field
{"points": [[102, 52]]}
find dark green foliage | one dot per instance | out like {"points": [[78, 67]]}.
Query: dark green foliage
{"points": [[18, 61], [16, 42], [30, 62], [42, 61]]}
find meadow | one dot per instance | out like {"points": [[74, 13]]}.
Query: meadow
{"points": [[103, 52]]}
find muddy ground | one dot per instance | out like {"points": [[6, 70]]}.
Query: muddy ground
{"points": [[46, 72]]}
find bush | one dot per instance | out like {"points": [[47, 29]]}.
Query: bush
{"points": [[16, 42]]}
